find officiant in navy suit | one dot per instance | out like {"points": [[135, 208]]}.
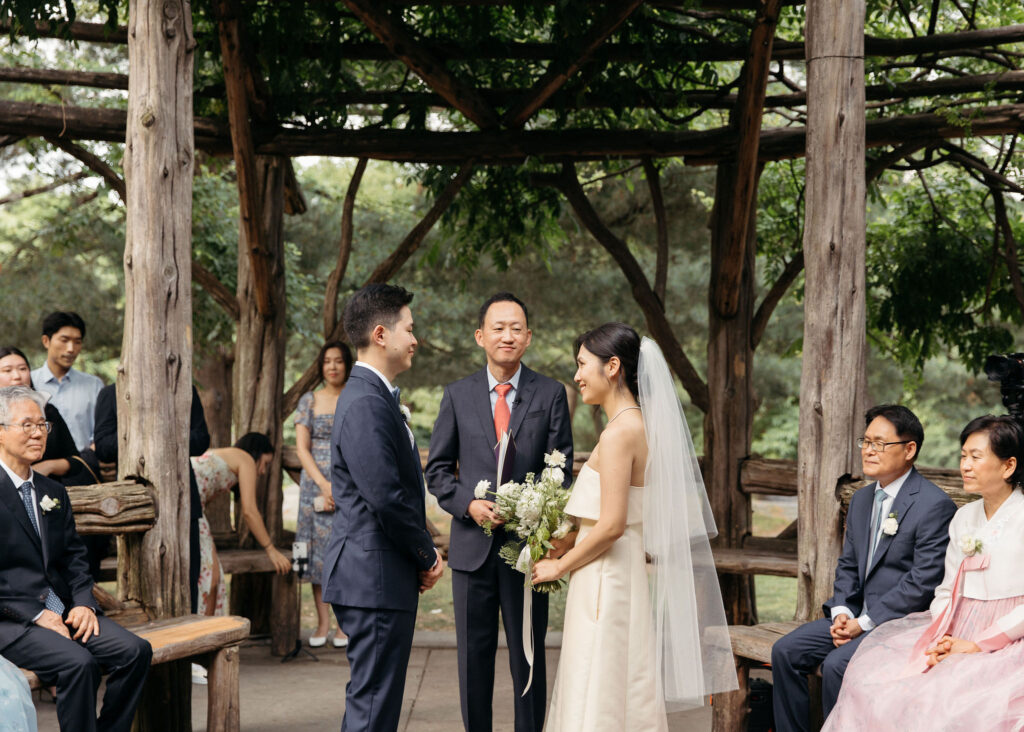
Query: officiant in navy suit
{"points": [[893, 557], [380, 554], [49, 621], [504, 396]]}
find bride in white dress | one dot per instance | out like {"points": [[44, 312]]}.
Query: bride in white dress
{"points": [[638, 639]]}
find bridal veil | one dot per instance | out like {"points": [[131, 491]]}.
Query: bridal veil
{"points": [[692, 647]]}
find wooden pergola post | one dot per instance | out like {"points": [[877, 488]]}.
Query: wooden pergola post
{"points": [[155, 376], [831, 383]]}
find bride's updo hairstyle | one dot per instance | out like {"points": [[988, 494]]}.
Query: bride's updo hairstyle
{"points": [[1005, 439], [619, 340]]}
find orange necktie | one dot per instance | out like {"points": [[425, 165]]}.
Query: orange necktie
{"points": [[501, 411]]}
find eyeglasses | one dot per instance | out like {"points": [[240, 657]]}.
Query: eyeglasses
{"points": [[29, 427], [878, 446]]}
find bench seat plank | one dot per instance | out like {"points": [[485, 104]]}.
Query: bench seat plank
{"points": [[755, 641], [755, 561]]}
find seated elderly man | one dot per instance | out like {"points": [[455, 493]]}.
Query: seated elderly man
{"points": [[49, 621]]}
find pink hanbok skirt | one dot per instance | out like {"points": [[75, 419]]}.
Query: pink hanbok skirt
{"points": [[974, 692]]}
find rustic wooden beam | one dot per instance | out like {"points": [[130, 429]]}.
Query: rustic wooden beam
{"points": [[643, 293], [555, 76], [63, 77], [113, 508], [746, 120], [400, 42], [216, 289], [235, 75], [344, 250], [699, 147]]}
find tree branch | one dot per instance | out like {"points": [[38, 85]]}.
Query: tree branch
{"points": [[29, 192], [658, 203], [344, 249], [1010, 246], [992, 178], [401, 43], [558, 73], [643, 294], [93, 162], [773, 297], [217, 290]]}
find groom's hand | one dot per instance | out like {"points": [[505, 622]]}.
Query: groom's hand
{"points": [[429, 578], [482, 511]]}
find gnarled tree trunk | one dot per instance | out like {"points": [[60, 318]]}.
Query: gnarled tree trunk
{"points": [[155, 377], [831, 384]]}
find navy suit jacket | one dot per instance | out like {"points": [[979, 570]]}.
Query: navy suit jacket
{"points": [[30, 565], [906, 566], [462, 450], [379, 541]]}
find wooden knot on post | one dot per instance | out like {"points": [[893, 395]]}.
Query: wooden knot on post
{"points": [[148, 118]]}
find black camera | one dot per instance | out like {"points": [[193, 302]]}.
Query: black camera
{"points": [[1008, 370]]}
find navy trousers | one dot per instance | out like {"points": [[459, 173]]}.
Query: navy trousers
{"points": [[379, 645], [797, 655], [76, 670], [477, 597]]}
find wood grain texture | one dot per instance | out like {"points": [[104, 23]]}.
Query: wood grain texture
{"points": [[223, 709], [113, 508]]}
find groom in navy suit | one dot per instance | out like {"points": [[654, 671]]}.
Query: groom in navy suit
{"points": [[893, 558], [49, 621], [380, 553], [504, 396]]}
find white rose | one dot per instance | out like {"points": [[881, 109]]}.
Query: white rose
{"points": [[482, 489], [890, 526], [554, 459], [48, 504], [554, 474], [970, 545]]}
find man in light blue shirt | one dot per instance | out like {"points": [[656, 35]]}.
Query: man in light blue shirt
{"points": [[72, 392]]}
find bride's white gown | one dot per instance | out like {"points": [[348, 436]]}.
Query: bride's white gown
{"points": [[606, 678]]}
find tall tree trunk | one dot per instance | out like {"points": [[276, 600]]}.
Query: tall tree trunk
{"points": [[259, 378], [155, 376], [213, 381], [831, 387], [727, 424]]}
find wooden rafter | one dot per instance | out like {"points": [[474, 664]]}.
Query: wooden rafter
{"points": [[699, 147], [235, 77], [398, 39], [555, 76], [747, 123]]}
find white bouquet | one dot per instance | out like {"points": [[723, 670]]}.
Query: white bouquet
{"points": [[533, 510]]}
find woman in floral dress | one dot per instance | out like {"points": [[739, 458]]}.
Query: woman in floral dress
{"points": [[314, 419], [16, 711], [219, 470]]}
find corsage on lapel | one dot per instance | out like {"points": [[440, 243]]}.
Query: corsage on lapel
{"points": [[891, 525], [48, 504], [406, 414]]}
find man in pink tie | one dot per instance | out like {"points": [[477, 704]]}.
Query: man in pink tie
{"points": [[505, 397]]}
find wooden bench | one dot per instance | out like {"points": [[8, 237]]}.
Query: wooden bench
{"points": [[210, 641], [752, 644], [124, 508]]}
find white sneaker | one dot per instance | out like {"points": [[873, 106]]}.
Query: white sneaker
{"points": [[198, 675]]}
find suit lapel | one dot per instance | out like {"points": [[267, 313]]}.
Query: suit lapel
{"points": [[481, 404], [901, 507], [522, 400], [12, 500]]}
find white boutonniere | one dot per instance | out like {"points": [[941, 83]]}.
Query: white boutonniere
{"points": [[970, 545], [890, 526], [406, 414], [48, 504]]}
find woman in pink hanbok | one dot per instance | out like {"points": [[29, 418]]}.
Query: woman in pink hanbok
{"points": [[957, 666]]}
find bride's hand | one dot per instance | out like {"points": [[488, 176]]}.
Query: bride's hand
{"points": [[561, 546], [547, 570]]}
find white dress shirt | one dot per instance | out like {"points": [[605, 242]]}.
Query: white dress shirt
{"points": [[75, 399], [891, 491]]}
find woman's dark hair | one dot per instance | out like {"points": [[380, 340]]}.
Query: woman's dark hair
{"points": [[619, 340], [6, 351], [346, 356], [256, 444], [1005, 439]]}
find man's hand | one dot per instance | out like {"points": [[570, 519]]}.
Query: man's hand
{"points": [[430, 577], [483, 511], [844, 629], [52, 621], [84, 621]]}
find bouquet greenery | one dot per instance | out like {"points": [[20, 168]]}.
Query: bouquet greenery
{"points": [[533, 510]]}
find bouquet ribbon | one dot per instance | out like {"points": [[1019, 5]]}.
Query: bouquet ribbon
{"points": [[525, 565]]}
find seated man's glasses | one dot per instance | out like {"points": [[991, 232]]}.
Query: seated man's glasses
{"points": [[878, 445], [30, 427]]}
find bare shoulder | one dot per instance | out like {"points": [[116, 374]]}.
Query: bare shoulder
{"points": [[623, 438]]}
